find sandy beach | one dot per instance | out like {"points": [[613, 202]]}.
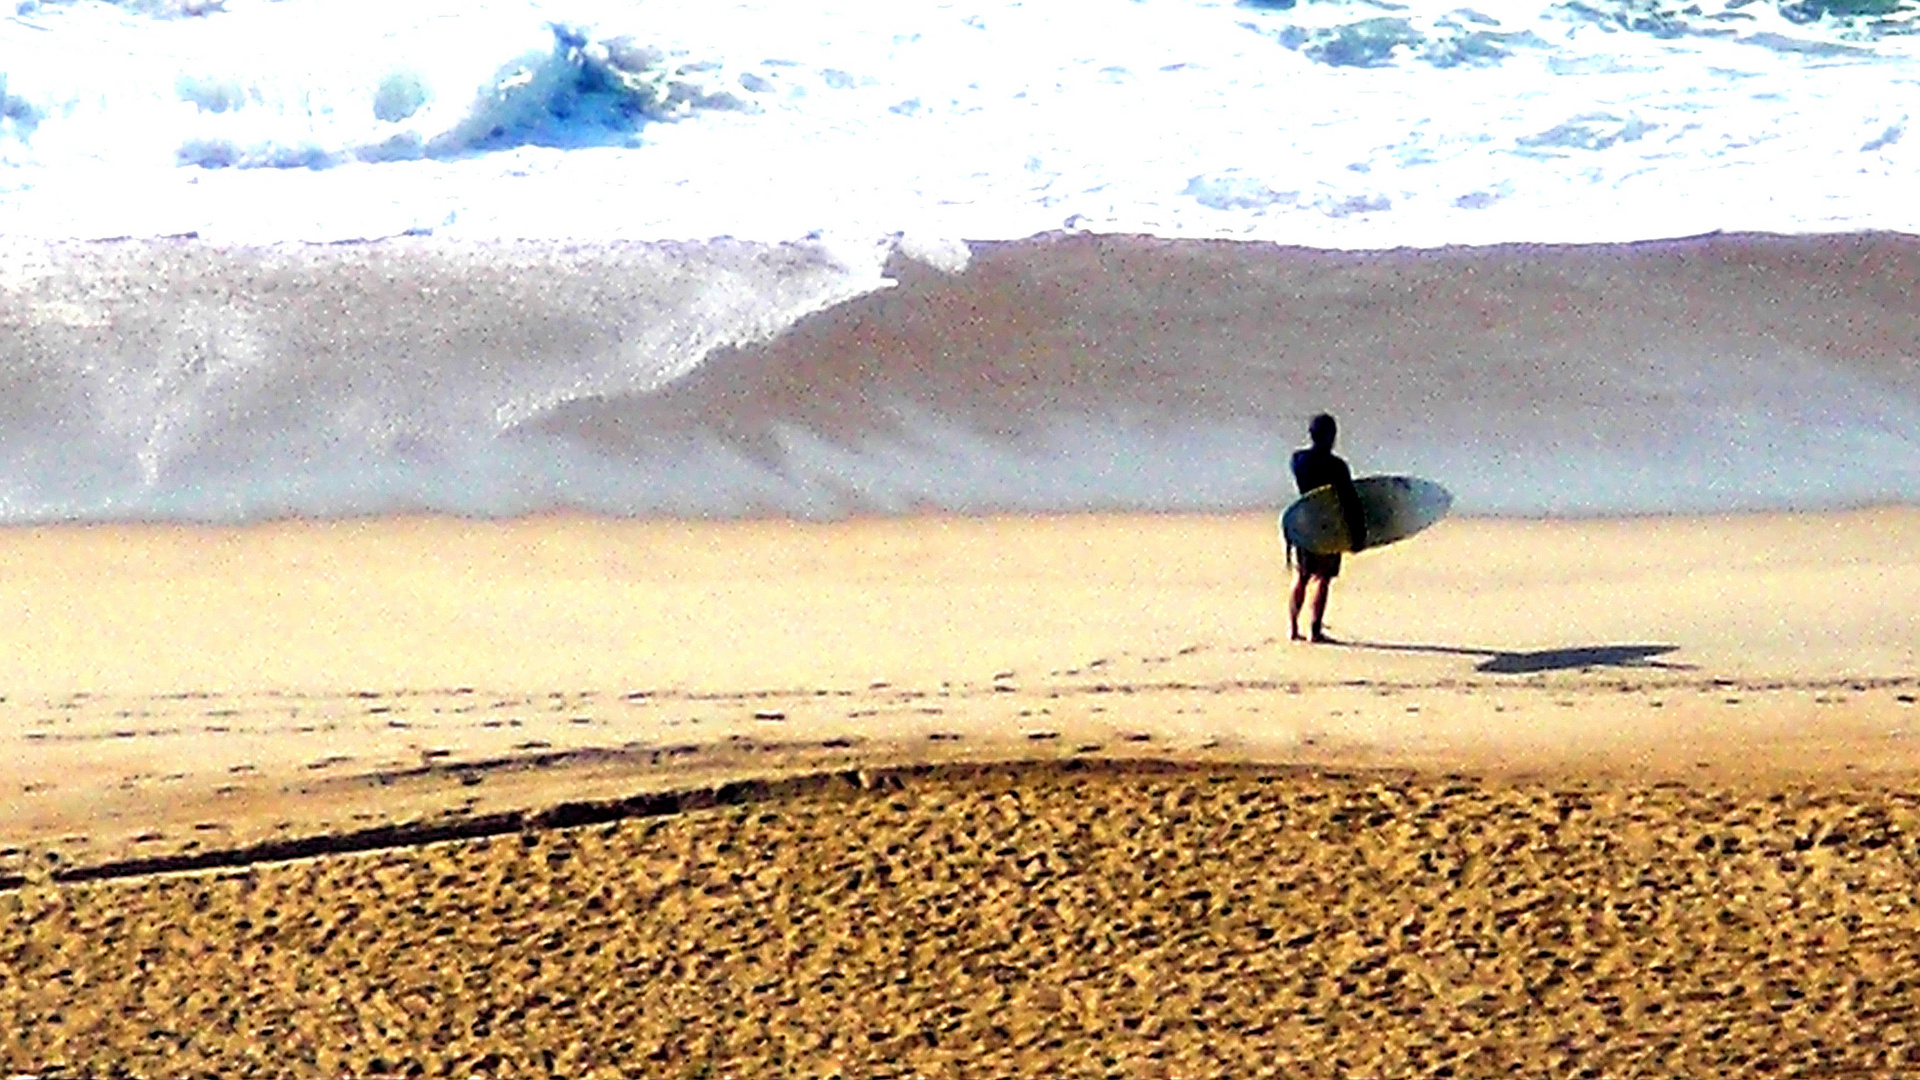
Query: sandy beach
{"points": [[959, 797]]}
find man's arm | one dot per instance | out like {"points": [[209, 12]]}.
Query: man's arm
{"points": [[1350, 507]]}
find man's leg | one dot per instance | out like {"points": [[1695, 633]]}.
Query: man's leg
{"points": [[1321, 585], [1299, 600]]}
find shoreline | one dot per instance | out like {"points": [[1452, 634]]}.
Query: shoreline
{"points": [[161, 590], [171, 688]]}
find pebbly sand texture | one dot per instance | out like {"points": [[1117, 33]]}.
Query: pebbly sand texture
{"points": [[961, 798], [1030, 921]]}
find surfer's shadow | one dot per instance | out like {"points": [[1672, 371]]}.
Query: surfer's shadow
{"points": [[1572, 658]]}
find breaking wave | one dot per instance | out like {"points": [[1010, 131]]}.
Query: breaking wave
{"points": [[1340, 123], [183, 380]]}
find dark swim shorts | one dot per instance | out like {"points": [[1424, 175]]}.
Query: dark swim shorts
{"points": [[1312, 565]]}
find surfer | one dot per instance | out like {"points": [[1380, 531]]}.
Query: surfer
{"points": [[1314, 467]]}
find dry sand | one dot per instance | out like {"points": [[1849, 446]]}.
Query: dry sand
{"points": [[1608, 798]]}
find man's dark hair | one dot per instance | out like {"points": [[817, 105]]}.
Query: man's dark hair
{"points": [[1321, 430]]}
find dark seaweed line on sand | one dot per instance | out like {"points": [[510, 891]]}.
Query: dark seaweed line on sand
{"points": [[411, 834], [649, 804]]}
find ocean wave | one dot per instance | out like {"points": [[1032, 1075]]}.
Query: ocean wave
{"points": [[1343, 124], [185, 380], [1354, 36], [577, 93], [227, 105]]}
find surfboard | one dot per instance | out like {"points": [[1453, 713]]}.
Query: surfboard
{"points": [[1394, 508]]}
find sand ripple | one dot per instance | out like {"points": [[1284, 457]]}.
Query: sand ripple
{"points": [[1042, 920]]}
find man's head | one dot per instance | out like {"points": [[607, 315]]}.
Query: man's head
{"points": [[1321, 430]]}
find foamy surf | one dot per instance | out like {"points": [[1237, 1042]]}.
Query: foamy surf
{"points": [[1340, 124]]}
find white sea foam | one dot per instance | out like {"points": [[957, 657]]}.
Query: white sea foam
{"points": [[1336, 124]]}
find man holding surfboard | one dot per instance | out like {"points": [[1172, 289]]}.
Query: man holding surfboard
{"points": [[1336, 513], [1315, 467]]}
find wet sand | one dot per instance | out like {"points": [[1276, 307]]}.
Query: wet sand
{"points": [[1605, 798]]}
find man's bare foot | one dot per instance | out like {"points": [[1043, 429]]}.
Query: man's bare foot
{"points": [[1296, 635], [1320, 637]]}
